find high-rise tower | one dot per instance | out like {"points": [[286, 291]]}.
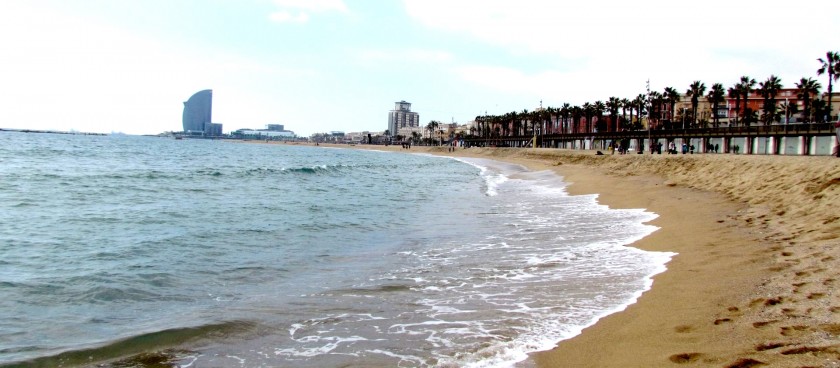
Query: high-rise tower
{"points": [[402, 117], [198, 112]]}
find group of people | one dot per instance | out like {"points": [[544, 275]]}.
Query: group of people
{"points": [[620, 147], [656, 147]]}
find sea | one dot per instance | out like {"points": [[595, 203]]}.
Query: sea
{"points": [[131, 251]]}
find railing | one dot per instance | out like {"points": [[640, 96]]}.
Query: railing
{"points": [[815, 129]]}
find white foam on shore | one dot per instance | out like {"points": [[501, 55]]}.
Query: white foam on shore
{"points": [[492, 178], [537, 267], [545, 330]]}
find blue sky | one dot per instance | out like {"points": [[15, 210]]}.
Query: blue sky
{"points": [[324, 65]]}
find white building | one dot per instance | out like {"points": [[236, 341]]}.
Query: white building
{"points": [[402, 117]]}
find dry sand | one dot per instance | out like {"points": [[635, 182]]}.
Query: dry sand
{"points": [[754, 283]]}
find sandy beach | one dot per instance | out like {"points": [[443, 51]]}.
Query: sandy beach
{"points": [[753, 284]]}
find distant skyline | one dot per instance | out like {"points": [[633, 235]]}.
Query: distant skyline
{"points": [[324, 65]]}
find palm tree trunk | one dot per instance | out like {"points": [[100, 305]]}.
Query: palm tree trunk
{"points": [[830, 77]]}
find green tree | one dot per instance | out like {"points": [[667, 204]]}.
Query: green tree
{"points": [[546, 121], [673, 97], [769, 89], [577, 113], [639, 103], [565, 111], [830, 66], [734, 92], [808, 88], [817, 106], [626, 104], [746, 86], [715, 97], [588, 112], [514, 123], [479, 121], [695, 90], [613, 105], [598, 109], [431, 127], [523, 119], [656, 100], [788, 109]]}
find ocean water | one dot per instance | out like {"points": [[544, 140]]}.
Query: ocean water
{"points": [[218, 254]]}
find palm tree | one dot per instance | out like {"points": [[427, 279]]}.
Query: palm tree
{"points": [[547, 121], [613, 104], [639, 103], [830, 66], [598, 108], [672, 96], [514, 123], [524, 119], [577, 113], [769, 89], [807, 87], [536, 120], [431, 127], [789, 109], [565, 110], [746, 86], [715, 97], [734, 92], [695, 90], [588, 111], [625, 104], [656, 101], [817, 106]]}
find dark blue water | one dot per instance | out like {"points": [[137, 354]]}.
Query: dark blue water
{"points": [[226, 254]]}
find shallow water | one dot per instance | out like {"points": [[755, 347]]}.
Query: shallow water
{"points": [[277, 255]]}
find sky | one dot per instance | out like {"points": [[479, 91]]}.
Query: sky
{"points": [[340, 65]]}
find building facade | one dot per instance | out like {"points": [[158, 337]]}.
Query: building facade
{"points": [[790, 108], [198, 111], [402, 117], [272, 132]]}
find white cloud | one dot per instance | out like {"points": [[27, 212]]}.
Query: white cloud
{"points": [[572, 28], [313, 5], [595, 49], [67, 73], [298, 11], [287, 17], [404, 56]]}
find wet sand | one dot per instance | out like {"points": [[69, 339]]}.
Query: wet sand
{"points": [[754, 282]]}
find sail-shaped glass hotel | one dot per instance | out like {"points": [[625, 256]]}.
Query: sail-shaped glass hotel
{"points": [[197, 115]]}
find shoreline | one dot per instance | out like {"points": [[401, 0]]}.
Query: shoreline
{"points": [[757, 241]]}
